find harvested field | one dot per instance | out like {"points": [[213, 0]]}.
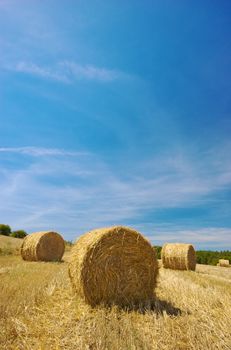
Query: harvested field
{"points": [[10, 245], [192, 311]]}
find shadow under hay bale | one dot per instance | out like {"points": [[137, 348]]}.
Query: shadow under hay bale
{"points": [[178, 256], [161, 307], [43, 246], [113, 266], [157, 306]]}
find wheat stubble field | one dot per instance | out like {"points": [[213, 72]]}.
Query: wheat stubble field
{"points": [[38, 310]]}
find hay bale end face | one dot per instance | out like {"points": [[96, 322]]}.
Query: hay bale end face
{"points": [[178, 256], [43, 246], [223, 263], [114, 265]]}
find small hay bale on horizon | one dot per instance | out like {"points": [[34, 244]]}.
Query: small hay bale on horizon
{"points": [[178, 256], [113, 266], [43, 246], [223, 263]]}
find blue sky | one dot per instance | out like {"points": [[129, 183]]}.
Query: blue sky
{"points": [[116, 112]]}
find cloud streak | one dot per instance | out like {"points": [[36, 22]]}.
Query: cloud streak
{"points": [[40, 151], [73, 195], [67, 72], [91, 72], [215, 237], [39, 71]]}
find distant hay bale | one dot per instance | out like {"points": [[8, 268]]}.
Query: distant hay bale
{"points": [[178, 256], [43, 246], [223, 263], [114, 265]]}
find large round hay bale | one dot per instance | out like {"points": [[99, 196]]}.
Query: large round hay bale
{"points": [[114, 265], [178, 256], [223, 263], [43, 246]]}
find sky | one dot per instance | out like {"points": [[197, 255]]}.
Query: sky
{"points": [[117, 113]]}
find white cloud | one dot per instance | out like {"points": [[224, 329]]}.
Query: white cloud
{"points": [[91, 72], [214, 237], [73, 195], [66, 72], [40, 151], [43, 72]]}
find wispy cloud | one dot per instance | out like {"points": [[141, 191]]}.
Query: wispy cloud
{"points": [[67, 71], [39, 71], [91, 72], [40, 151], [213, 237], [74, 195]]}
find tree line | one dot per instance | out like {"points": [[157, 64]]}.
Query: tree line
{"points": [[208, 257], [5, 230]]}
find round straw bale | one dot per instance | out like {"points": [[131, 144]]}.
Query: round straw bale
{"points": [[43, 246], [223, 263], [178, 256], [114, 265]]}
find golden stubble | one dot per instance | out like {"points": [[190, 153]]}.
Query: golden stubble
{"points": [[40, 311]]}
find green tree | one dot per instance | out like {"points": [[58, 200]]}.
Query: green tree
{"points": [[158, 251], [211, 257], [19, 234], [5, 230]]}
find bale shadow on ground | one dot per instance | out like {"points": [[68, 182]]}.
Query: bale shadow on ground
{"points": [[156, 306], [161, 307]]}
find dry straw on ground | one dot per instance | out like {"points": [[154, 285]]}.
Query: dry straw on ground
{"points": [[178, 256], [114, 265], [223, 263], [43, 246]]}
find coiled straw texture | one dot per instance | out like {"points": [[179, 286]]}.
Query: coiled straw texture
{"points": [[43, 246], [114, 265], [178, 256]]}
